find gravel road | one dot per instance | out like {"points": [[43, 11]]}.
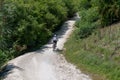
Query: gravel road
{"points": [[46, 64]]}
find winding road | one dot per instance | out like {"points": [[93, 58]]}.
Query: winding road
{"points": [[46, 64]]}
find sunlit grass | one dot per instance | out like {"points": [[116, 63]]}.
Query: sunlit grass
{"points": [[98, 54]]}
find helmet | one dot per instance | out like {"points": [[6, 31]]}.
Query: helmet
{"points": [[55, 35]]}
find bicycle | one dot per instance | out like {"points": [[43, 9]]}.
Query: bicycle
{"points": [[54, 46]]}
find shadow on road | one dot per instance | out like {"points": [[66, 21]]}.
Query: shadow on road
{"points": [[59, 33], [8, 70]]}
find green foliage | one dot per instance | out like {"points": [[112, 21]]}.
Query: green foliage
{"points": [[100, 12], [85, 4], [85, 30], [88, 22], [99, 52], [31, 22], [28, 24], [98, 57], [3, 58], [109, 11], [72, 6]]}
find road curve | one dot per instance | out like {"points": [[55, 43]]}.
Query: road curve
{"points": [[46, 64]]}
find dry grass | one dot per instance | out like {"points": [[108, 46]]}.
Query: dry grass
{"points": [[99, 54]]}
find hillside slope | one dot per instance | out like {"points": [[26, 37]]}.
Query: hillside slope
{"points": [[98, 54]]}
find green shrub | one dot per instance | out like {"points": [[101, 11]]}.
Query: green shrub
{"points": [[89, 21], [109, 11], [85, 31], [3, 58], [72, 6], [28, 24]]}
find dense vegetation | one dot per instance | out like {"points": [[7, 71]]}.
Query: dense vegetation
{"points": [[97, 14], [109, 11], [28, 24], [98, 57], [94, 46]]}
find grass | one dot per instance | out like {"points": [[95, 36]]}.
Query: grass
{"points": [[3, 59], [98, 55]]}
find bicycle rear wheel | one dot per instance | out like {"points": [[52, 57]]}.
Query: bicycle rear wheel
{"points": [[54, 46]]}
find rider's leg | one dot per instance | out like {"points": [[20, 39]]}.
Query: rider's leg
{"points": [[54, 45]]}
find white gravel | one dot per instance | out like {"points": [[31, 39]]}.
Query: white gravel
{"points": [[46, 64]]}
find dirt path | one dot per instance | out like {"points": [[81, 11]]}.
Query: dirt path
{"points": [[46, 64]]}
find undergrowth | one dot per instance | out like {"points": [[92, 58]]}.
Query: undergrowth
{"points": [[97, 54]]}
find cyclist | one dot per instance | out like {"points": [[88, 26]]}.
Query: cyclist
{"points": [[55, 39]]}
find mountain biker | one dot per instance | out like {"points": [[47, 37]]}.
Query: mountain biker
{"points": [[55, 39]]}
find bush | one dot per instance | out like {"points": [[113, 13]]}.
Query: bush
{"points": [[88, 22], [72, 6], [28, 24], [3, 58], [85, 31], [109, 11]]}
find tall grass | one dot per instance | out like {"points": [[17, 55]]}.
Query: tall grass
{"points": [[98, 53]]}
